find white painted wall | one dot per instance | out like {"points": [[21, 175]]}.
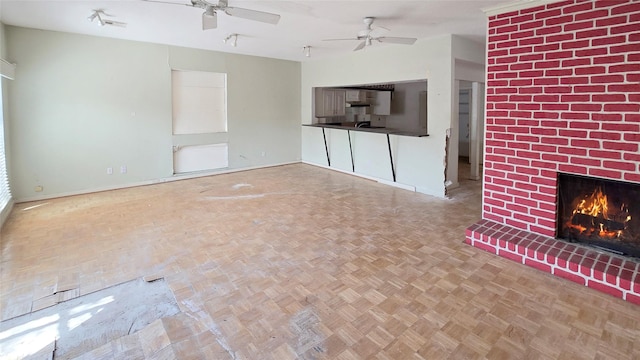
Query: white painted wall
{"points": [[339, 151], [81, 104], [432, 59], [470, 71]]}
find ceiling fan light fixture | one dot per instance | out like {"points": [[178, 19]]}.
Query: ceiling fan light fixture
{"points": [[367, 36], [210, 14]]}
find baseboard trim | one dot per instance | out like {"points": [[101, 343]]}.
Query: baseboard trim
{"points": [[150, 182], [381, 181]]}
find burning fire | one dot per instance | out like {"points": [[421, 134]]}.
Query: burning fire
{"points": [[593, 214], [594, 205]]}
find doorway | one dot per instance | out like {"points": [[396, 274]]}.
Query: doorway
{"points": [[470, 129], [464, 117]]}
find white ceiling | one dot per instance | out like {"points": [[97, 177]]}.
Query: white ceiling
{"points": [[302, 22]]}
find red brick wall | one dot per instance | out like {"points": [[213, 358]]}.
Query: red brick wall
{"points": [[563, 95]]}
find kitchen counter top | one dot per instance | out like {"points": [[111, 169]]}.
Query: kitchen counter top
{"points": [[378, 130]]}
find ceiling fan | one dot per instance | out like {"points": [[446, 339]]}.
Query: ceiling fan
{"points": [[100, 15], [210, 17], [368, 35]]}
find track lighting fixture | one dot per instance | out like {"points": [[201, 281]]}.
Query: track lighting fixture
{"points": [[102, 21], [233, 38]]}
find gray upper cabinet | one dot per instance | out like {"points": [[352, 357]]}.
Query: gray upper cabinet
{"points": [[329, 102]]}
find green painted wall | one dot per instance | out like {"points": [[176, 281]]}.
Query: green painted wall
{"points": [[80, 104]]}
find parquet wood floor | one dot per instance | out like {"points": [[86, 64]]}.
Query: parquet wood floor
{"points": [[297, 262]]}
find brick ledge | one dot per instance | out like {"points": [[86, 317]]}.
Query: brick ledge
{"points": [[609, 273]]}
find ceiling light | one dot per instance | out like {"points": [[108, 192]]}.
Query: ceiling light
{"points": [[307, 50], [209, 18], [209, 11], [100, 14], [233, 38], [96, 15], [93, 16]]}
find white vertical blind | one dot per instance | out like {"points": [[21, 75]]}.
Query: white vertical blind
{"points": [[7, 69], [5, 192], [199, 102]]}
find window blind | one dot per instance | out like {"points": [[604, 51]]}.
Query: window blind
{"points": [[199, 102], [5, 192]]}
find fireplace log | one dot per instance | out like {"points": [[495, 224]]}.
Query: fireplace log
{"points": [[589, 222]]}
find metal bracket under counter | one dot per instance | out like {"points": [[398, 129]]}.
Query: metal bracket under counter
{"points": [[353, 166], [393, 170], [326, 149]]}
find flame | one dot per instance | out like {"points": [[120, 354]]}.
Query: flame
{"points": [[597, 206], [594, 205]]}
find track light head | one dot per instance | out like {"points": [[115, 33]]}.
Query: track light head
{"points": [[233, 38]]}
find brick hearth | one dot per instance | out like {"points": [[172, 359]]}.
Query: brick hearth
{"points": [[563, 95], [615, 275]]}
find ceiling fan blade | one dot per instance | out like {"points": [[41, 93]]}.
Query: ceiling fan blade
{"points": [[254, 15], [209, 20], [340, 39], [397, 40], [364, 33], [377, 31], [360, 46], [168, 2]]}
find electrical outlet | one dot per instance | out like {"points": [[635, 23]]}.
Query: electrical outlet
{"points": [[38, 188], [123, 169], [109, 171]]}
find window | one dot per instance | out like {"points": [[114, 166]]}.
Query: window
{"points": [[5, 192], [199, 102]]}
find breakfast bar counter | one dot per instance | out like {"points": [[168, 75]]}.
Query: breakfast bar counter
{"points": [[387, 155]]}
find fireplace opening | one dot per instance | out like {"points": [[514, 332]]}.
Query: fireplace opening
{"points": [[599, 212]]}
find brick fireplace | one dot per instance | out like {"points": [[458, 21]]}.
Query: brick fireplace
{"points": [[563, 96]]}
